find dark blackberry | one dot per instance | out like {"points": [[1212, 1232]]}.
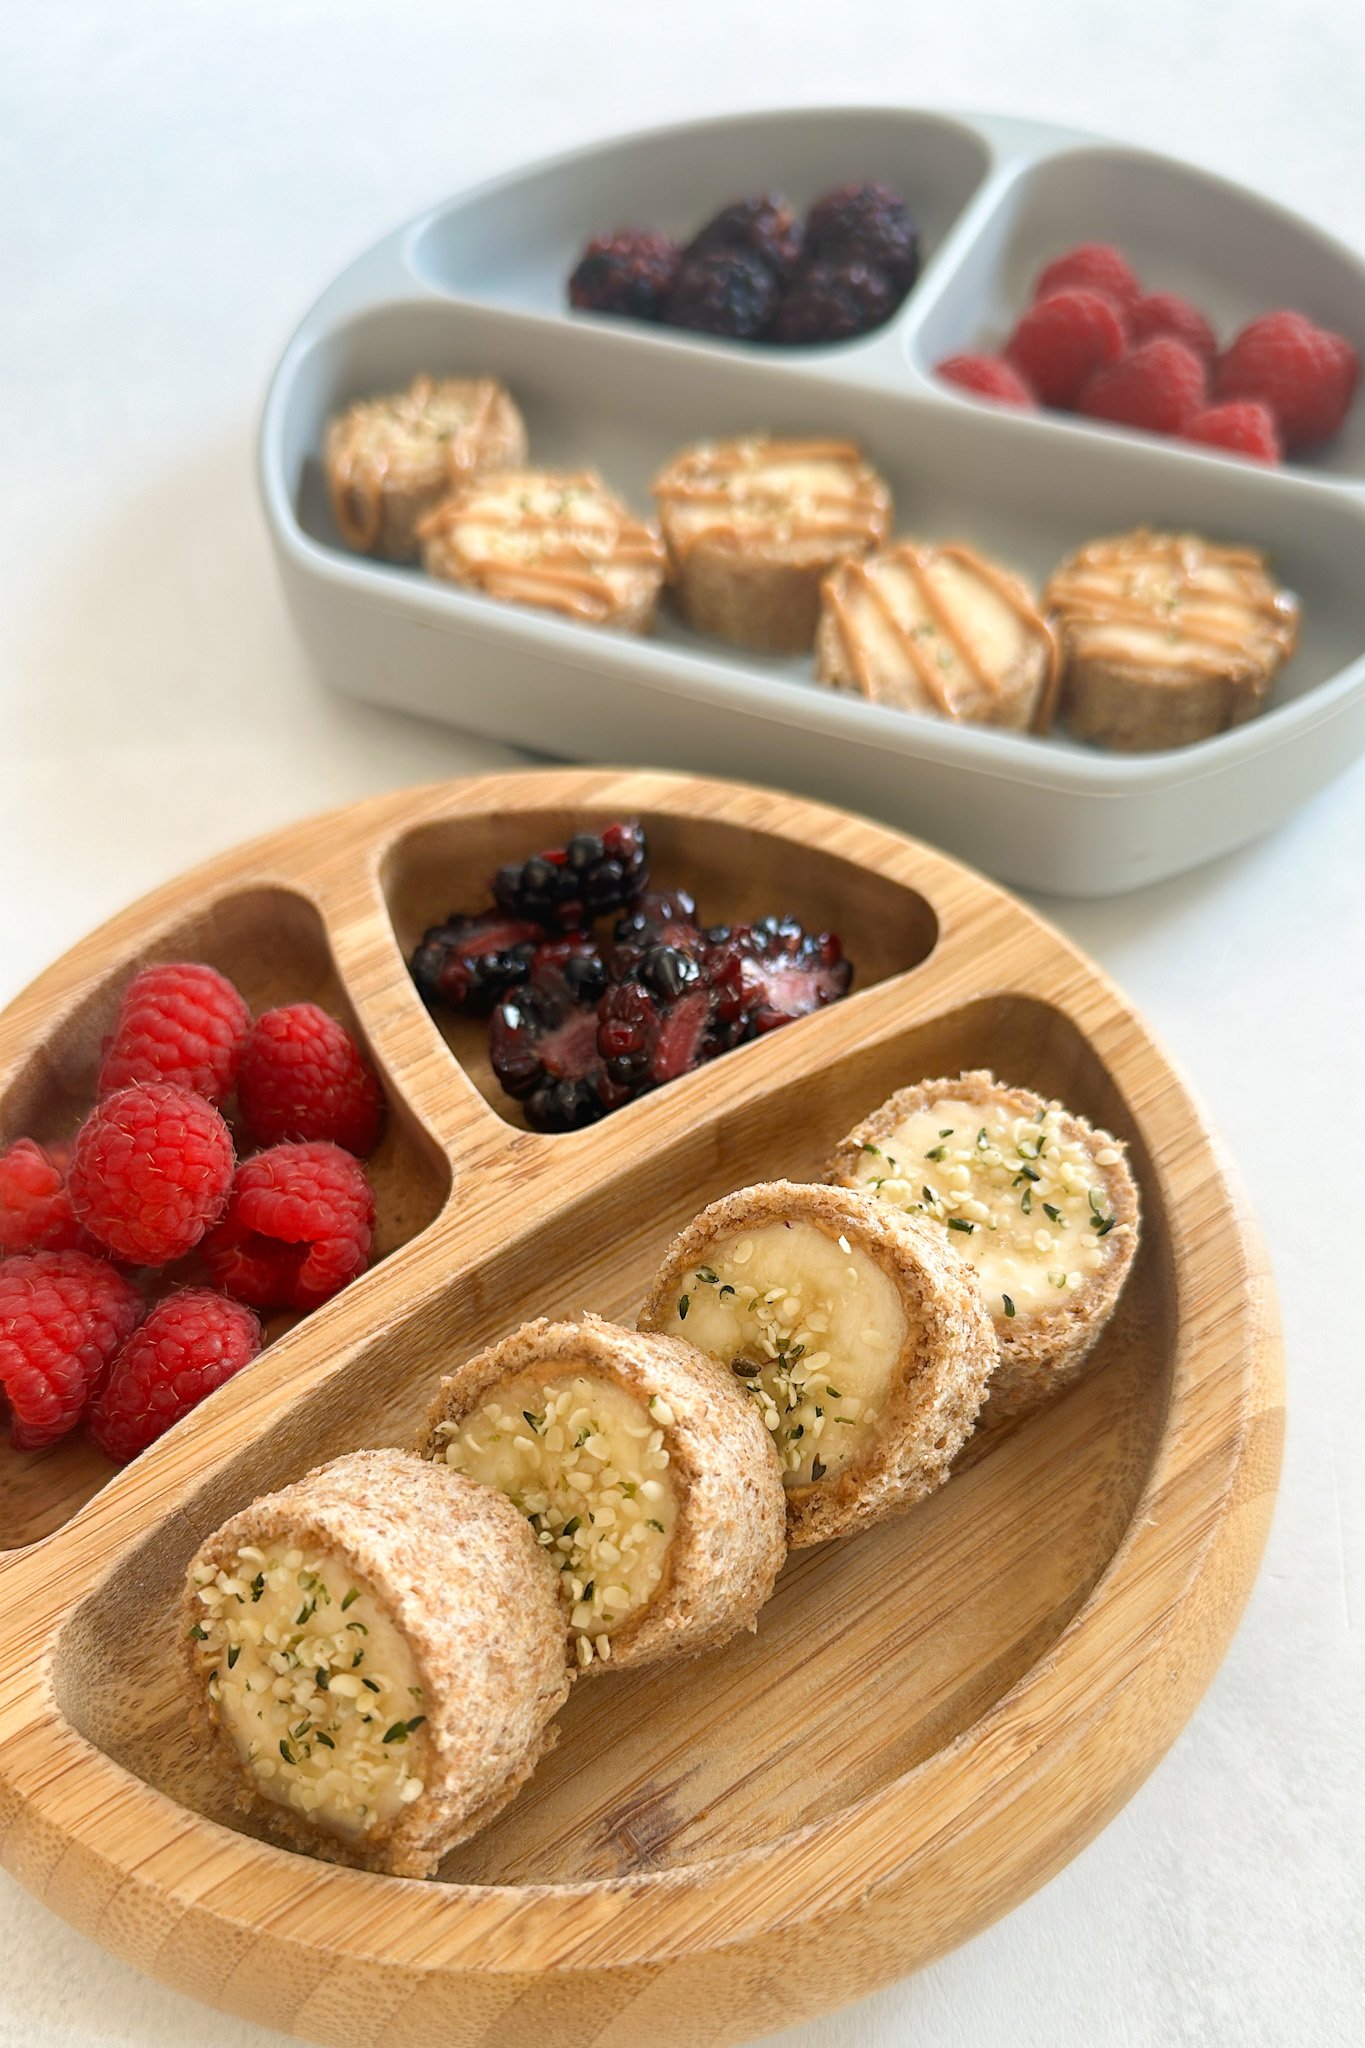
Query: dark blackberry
{"points": [[764, 224], [730, 292], [656, 1027], [542, 1040], [865, 223], [766, 974], [834, 302], [629, 273], [565, 889], [656, 920], [467, 963]]}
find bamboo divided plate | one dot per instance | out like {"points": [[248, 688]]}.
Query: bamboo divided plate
{"points": [[931, 1719]]}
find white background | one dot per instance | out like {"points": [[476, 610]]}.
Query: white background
{"points": [[177, 182]]}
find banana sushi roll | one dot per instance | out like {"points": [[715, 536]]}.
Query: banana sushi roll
{"points": [[390, 460], [374, 1657], [646, 1475], [1039, 1203], [862, 1343]]}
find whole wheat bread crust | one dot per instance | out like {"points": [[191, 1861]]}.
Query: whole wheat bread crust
{"points": [[1041, 1352], [937, 1384], [728, 1542], [406, 494], [460, 1572]]}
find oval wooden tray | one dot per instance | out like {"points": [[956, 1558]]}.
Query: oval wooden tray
{"points": [[930, 1719]]}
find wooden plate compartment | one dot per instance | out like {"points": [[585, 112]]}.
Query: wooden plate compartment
{"points": [[930, 1719]]}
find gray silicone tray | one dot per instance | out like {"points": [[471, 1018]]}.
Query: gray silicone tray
{"points": [[477, 285]]}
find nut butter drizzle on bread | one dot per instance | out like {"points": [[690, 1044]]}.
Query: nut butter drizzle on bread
{"points": [[742, 489]]}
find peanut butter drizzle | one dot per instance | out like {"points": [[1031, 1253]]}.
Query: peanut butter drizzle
{"points": [[691, 481], [916, 562], [358, 491], [572, 576], [1103, 586]]}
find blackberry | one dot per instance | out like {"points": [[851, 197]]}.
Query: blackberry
{"points": [[542, 1039], [766, 974], [865, 223], [835, 302], [656, 1027], [728, 291], [765, 225], [629, 272], [658, 919], [565, 889], [467, 963]]}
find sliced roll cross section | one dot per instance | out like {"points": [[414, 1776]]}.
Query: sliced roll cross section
{"points": [[751, 527], [1040, 1205], [648, 1479], [861, 1342], [374, 1656], [557, 540], [390, 460]]}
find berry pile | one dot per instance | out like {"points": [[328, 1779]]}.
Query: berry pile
{"points": [[1094, 342], [598, 988], [757, 272], [153, 1178]]}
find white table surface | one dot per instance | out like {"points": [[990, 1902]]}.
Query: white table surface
{"points": [[178, 182]]}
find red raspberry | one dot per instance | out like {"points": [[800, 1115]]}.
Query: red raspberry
{"points": [[299, 1225], [1243, 426], [190, 1343], [63, 1315], [1305, 374], [184, 1023], [151, 1172], [1159, 387], [35, 1208], [1062, 341], [1091, 267], [1168, 313], [303, 1076], [990, 376]]}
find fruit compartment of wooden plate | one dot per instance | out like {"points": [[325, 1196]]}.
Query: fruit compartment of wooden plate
{"points": [[515, 241], [1026, 488], [272, 942], [869, 1656], [1232, 252]]}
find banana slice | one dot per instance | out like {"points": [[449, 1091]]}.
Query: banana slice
{"points": [[751, 527], [557, 540], [939, 630], [374, 1656], [650, 1482], [861, 1341], [1166, 638], [1039, 1204], [390, 460]]}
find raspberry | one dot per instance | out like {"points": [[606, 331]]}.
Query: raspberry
{"points": [[727, 291], [628, 273], [299, 1225], [1168, 313], [765, 225], [184, 1023], [1062, 341], [835, 302], [988, 376], [63, 1315], [469, 963], [1159, 388], [1092, 267], [35, 1208], [565, 889], [189, 1344], [151, 1172], [303, 1076], [1306, 375], [1243, 426]]}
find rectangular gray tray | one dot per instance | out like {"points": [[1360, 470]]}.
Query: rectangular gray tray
{"points": [[477, 286]]}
